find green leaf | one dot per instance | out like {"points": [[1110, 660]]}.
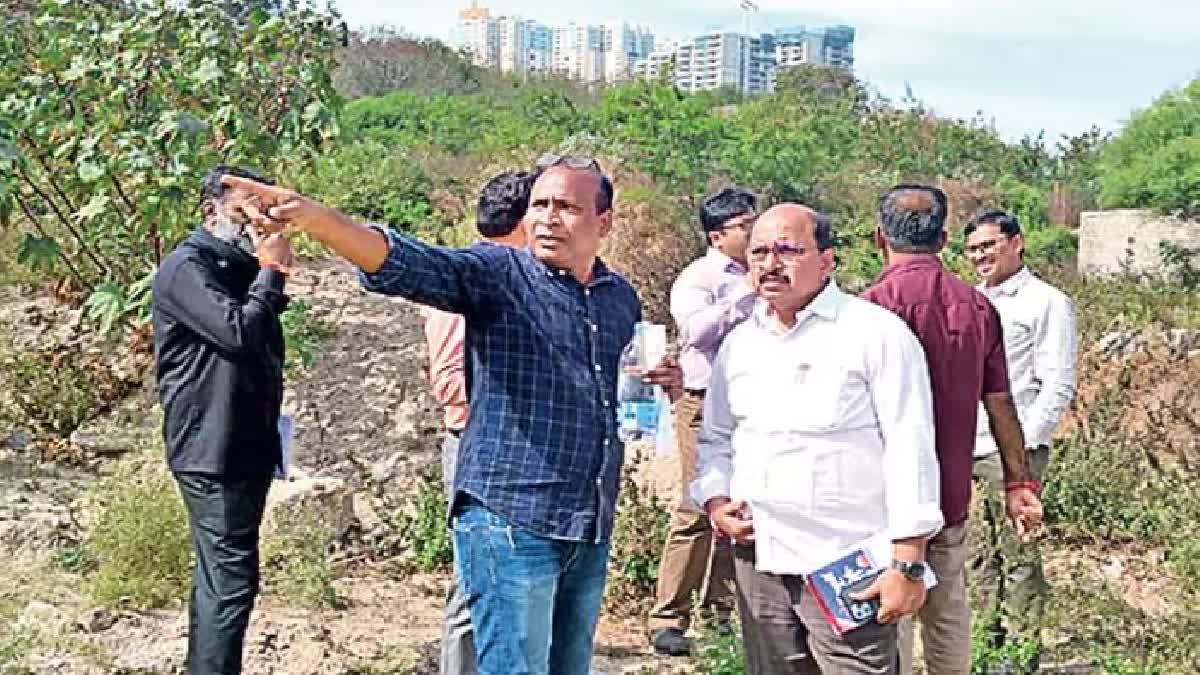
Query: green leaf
{"points": [[95, 206], [38, 253], [90, 172], [9, 152], [105, 306], [208, 72], [78, 70]]}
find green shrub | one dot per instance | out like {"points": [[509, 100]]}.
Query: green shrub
{"points": [[1050, 246], [1155, 161], [422, 526], [639, 533], [295, 557], [1130, 498], [302, 334], [140, 538], [719, 651]]}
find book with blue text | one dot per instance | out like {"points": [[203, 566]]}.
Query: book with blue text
{"points": [[832, 584]]}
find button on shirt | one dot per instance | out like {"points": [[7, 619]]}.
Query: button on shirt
{"points": [[540, 446], [964, 347], [708, 299], [825, 429], [1040, 341]]}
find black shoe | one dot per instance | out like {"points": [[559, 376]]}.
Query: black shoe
{"points": [[671, 642]]}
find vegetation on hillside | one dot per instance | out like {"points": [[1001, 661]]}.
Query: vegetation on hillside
{"points": [[110, 116]]}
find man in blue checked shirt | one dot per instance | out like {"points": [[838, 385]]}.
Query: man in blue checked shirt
{"points": [[540, 460]]}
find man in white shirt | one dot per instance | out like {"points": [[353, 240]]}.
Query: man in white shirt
{"points": [[817, 437], [1040, 344]]}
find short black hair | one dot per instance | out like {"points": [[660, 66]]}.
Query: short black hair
{"points": [[910, 229], [503, 203], [724, 205], [1007, 222], [213, 189]]}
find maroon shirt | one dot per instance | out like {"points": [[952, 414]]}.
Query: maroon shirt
{"points": [[961, 334]]}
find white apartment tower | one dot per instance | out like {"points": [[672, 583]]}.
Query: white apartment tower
{"points": [[478, 34], [725, 60]]}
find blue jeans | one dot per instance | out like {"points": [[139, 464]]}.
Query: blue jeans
{"points": [[534, 601]]}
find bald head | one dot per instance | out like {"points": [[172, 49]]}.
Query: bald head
{"points": [[800, 221], [912, 218], [791, 257]]}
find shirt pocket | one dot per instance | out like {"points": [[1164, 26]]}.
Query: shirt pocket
{"points": [[819, 402]]}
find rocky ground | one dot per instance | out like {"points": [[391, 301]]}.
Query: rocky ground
{"points": [[366, 428]]}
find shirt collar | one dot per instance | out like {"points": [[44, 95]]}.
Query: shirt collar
{"points": [[723, 262], [1009, 286], [826, 306], [601, 274], [924, 261]]}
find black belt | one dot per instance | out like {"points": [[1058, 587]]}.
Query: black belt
{"points": [[457, 433], [695, 392]]}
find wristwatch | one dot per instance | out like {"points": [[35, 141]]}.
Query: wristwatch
{"points": [[913, 571]]}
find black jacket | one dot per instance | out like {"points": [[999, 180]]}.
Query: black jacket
{"points": [[218, 351]]}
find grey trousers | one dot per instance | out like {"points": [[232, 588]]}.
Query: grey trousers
{"points": [[785, 632], [224, 515], [458, 645]]}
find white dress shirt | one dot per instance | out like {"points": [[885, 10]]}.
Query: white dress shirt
{"points": [[708, 299], [1040, 345], [825, 429]]}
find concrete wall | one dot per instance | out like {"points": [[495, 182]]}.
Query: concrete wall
{"points": [[1112, 241]]}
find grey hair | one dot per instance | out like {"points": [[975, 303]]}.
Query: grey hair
{"points": [[908, 229], [822, 230]]}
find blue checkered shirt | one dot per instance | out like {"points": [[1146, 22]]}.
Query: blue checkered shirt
{"points": [[540, 447]]}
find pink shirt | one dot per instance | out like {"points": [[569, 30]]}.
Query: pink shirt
{"points": [[708, 299], [445, 334]]}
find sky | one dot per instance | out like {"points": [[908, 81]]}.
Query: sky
{"points": [[1028, 66]]}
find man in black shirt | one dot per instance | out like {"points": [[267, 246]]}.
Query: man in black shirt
{"points": [[218, 348]]}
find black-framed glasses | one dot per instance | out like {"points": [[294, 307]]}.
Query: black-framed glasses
{"points": [[984, 247], [786, 252], [570, 161]]}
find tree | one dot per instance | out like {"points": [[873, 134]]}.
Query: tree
{"points": [[110, 114], [1155, 160], [382, 59]]}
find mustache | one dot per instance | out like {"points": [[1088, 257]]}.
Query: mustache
{"points": [[770, 275]]}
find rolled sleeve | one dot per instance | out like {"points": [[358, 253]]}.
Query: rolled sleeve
{"points": [[903, 404]]}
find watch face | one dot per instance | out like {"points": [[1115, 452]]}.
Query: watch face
{"points": [[916, 571]]}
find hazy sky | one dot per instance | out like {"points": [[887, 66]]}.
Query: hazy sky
{"points": [[1030, 65]]}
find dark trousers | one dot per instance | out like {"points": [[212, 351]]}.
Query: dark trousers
{"points": [[224, 514]]}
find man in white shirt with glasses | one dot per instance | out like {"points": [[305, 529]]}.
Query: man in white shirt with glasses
{"points": [[1040, 344], [817, 436]]}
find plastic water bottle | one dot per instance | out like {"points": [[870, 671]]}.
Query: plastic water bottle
{"points": [[639, 404]]}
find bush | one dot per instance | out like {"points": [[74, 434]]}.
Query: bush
{"points": [[719, 651], [302, 333], [55, 388], [422, 526], [295, 557], [1050, 246], [140, 538], [1155, 161], [637, 544]]}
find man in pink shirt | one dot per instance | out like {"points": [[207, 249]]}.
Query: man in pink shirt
{"points": [[708, 299], [502, 205]]}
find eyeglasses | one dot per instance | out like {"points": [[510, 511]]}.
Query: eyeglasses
{"points": [[983, 247], [786, 252], [570, 161]]}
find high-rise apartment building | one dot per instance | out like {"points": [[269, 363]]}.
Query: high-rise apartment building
{"points": [[618, 50], [734, 61], [477, 33]]}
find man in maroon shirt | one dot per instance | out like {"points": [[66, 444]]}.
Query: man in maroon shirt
{"points": [[961, 334]]}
